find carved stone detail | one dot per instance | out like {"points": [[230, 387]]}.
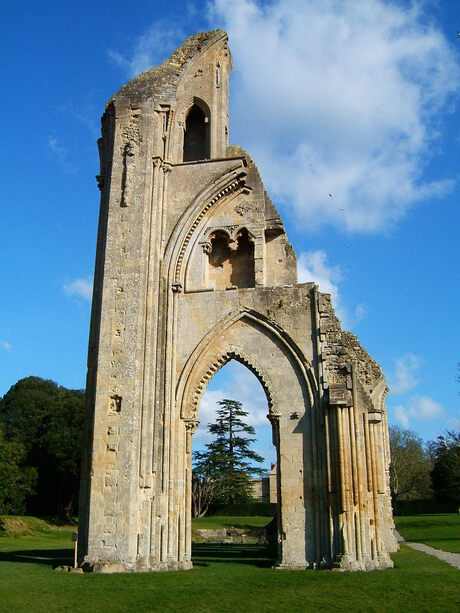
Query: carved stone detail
{"points": [[232, 187], [114, 405], [191, 425], [207, 247], [243, 207]]}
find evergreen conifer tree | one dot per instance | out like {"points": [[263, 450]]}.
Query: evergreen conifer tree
{"points": [[228, 462]]}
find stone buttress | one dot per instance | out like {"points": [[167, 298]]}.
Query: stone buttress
{"points": [[193, 269]]}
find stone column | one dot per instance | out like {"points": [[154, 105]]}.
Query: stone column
{"points": [[190, 427]]}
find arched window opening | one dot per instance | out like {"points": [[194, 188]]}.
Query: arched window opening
{"points": [[220, 270], [196, 135], [243, 261], [231, 262], [234, 382]]}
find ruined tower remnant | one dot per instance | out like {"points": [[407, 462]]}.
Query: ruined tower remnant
{"points": [[193, 269]]}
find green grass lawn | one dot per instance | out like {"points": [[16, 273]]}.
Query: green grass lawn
{"points": [[233, 578], [439, 531], [214, 521]]}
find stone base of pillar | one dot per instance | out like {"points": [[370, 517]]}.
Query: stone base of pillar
{"points": [[119, 567], [293, 565], [348, 563]]}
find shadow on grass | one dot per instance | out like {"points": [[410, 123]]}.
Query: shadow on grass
{"points": [[230, 526], [434, 538], [263, 556], [203, 554], [47, 557]]}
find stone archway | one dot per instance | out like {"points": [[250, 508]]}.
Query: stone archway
{"points": [[192, 416], [252, 340], [161, 325]]}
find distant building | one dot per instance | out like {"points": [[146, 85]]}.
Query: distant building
{"points": [[264, 487]]}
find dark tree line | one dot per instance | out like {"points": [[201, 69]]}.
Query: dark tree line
{"points": [[445, 476], [41, 427], [419, 471]]}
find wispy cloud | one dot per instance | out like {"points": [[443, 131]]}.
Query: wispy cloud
{"points": [[353, 92], [360, 312], [151, 48], [60, 153], [5, 344], [83, 288], [313, 266], [404, 377], [417, 409]]}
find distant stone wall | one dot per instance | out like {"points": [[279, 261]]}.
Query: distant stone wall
{"points": [[265, 488], [230, 536]]}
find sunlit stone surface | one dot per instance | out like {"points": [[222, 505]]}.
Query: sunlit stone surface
{"points": [[194, 269]]}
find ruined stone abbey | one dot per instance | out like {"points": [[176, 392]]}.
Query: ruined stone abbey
{"points": [[193, 269]]}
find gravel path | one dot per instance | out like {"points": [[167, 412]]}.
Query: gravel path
{"points": [[452, 558]]}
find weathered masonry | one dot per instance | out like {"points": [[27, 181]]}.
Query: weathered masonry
{"points": [[194, 269]]}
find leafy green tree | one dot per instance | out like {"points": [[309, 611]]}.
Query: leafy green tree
{"points": [[227, 465], [410, 466], [16, 479], [47, 420], [445, 453]]}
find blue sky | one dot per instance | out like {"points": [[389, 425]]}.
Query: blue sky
{"points": [[357, 99]]}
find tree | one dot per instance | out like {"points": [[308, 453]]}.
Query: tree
{"points": [[224, 470], [445, 453], [47, 420], [204, 488], [16, 479], [410, 466]]}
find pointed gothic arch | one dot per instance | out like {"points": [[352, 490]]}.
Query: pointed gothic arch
{"points": [[193, 220], [213, 353], [197, 131], [198, 383]]}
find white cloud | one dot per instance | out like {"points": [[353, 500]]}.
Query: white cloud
{"points": [[352, 91], [150, 49], [5, 344], [313, 266], [401, 415], [418, 408], [207, 413], [404, 377], [82, 288]]}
